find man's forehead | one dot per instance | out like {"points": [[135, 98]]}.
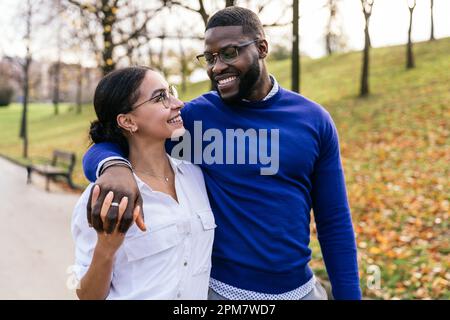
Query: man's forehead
{"points": [[220, 36]]}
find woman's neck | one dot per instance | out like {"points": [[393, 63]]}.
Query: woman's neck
{"points": [[150, 157]]}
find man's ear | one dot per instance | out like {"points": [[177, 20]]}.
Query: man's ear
{"points": [[126, 122], [263, 48]]}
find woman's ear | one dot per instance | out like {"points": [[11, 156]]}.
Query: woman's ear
{"points": [[263, 48], [126, 122]]}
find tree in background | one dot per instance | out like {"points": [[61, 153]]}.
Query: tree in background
{"points": [[295, 71], [334, 36], [76, 43], [108, 24], [29, 13], [330, 32], [187, 62], [367, 6], [230, 3], [409, 47], [6, 90], [56, 70], [201, 10], [201, 7], [432, 20]]}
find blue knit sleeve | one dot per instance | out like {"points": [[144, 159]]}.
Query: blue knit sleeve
{"points": [[332, 216], [96, 155]]}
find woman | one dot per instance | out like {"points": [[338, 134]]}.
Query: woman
{"points": [[137, 109]]}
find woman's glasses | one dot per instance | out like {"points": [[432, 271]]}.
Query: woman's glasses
{"points": [[165, 96]]}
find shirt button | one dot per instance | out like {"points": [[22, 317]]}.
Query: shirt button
{"points": [[185, 263], [178, 295]]}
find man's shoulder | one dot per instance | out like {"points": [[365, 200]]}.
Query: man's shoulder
{"points": [[306, 106]]}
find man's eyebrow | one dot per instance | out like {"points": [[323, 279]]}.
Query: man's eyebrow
{"points": [[232, 44]]}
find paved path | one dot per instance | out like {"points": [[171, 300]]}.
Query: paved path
{"points": [[36, 245]]}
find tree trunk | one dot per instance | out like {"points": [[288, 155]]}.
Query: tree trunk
{"points": [[162, 54], [295, 72], [329, 35], [184, 79], [56, 78], [107, 22], [366, 59], [409, 52], [79, 88], [328, 44], [26, 90], [432, 21], [203, 13], [184, 66], [26, 82], [229, 3]]}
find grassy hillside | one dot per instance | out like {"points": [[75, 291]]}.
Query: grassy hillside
{"points": [[395, 149]]}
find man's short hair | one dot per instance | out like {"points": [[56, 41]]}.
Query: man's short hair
{"points": [[237, 16]]}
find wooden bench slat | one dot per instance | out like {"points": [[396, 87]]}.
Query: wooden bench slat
{"points": [[43, 169], [62, 164]]}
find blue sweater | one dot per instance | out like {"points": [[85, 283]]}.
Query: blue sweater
{"points": [[261, 243]]}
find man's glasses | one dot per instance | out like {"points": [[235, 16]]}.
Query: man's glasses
{"points": [[226, 55], [164, 97]]}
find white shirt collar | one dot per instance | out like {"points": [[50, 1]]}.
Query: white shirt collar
{"points": [[177, 166], [274, 89]]}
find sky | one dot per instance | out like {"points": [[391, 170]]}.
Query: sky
{"points": [[388, 26]]}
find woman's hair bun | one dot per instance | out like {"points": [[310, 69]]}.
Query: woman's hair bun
{"points": [[97, 132]]}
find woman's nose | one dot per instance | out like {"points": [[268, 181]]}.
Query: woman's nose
{"points": [[176, 103]]}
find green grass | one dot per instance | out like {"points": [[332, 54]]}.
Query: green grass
{"points": [[67, 131], [395, 149]]}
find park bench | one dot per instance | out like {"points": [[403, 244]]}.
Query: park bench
{"points": [[61, 165]]}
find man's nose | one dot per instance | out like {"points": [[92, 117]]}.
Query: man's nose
{"points": [[218, 66]]}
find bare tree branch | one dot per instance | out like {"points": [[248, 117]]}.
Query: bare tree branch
{"points": [[277, 22], [201, 10]]}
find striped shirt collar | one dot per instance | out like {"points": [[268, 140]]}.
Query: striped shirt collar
{"points": [[273, 91]]}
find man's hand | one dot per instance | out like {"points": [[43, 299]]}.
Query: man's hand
{"points": [[121, 182]]}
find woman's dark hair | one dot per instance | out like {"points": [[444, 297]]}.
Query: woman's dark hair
{"points": [[116, 93]]}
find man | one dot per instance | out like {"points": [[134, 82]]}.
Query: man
{"points": [[263, 214]]}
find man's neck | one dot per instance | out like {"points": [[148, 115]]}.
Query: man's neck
{"points": [[262, 87]]}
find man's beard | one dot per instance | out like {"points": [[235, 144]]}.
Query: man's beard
{"points": [[246, 84]]}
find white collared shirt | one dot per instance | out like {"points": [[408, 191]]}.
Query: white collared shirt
{"points": [[172, 259]]}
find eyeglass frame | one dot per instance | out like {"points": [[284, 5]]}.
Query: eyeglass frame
{"points": [[172, 89], [217, 54]]}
